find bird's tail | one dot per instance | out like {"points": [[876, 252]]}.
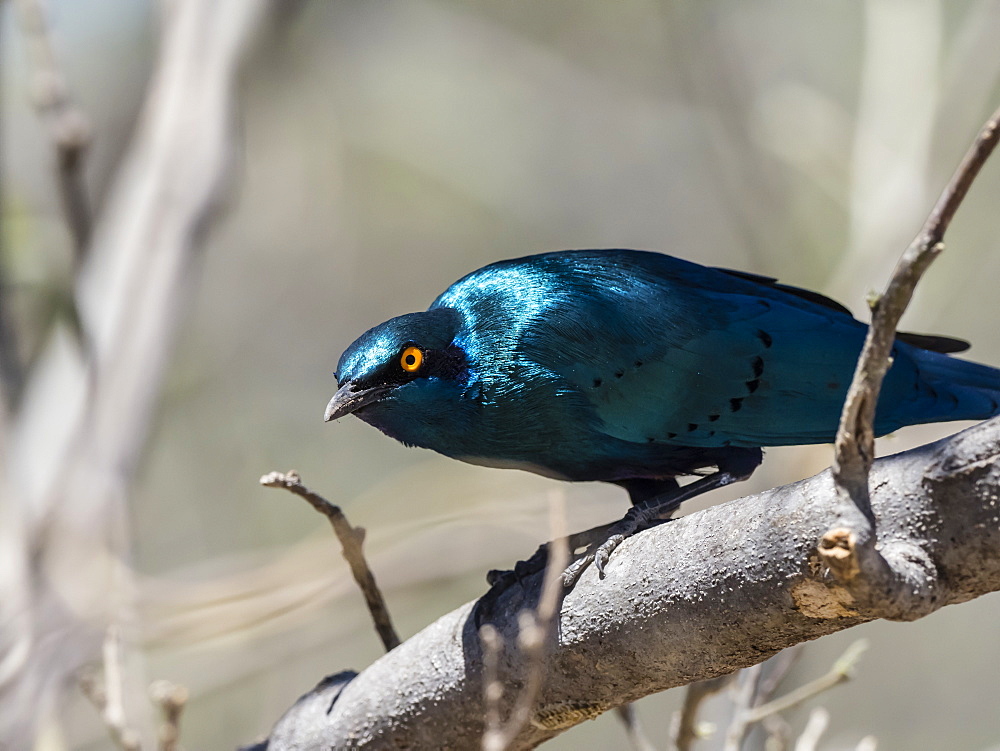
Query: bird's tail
{"points": [[959, 389]]}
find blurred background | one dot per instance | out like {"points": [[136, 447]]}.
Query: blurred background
{"points": [[385, 149]]}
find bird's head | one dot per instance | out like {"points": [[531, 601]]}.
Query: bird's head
{"points": [[401, 374]]}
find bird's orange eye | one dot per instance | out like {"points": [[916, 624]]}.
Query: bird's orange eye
{"points": [[411, 359]]}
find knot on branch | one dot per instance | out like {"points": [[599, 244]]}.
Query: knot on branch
{"points": [[838, 550], [895, 581]]}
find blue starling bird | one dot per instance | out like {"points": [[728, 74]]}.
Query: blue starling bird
{"points": [[635, 368]]}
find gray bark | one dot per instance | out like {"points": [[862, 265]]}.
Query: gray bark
{"points": [[700, 597]]}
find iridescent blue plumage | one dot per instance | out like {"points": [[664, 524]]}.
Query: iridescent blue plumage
{"points": [[634, 368]]}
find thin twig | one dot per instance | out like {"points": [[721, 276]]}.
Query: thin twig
{"points": [[351, 540], [106, 694], [816, 725], [779, 733], [777, 668], [68, 126], [855, 442], [750, 711], [842, 671], [746, 696], [685, 729], [171, 699], [633, 728], [536, 630]]}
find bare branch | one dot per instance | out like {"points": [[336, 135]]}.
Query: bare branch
{"points": [[779, 733], [849, 547], [855, 437], [758, 684], [816, 725], [746, 697], [841, 671], [106, 693], [643, 629], [686, 731], [351, 541], [777, 668], [637, 737]]}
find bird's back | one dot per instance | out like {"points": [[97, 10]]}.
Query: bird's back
{"points": [[642, 352]]}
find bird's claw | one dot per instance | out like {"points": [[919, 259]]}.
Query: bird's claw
{"points": [[572, 573], [603, 554], [500, 577], [600, 542]]}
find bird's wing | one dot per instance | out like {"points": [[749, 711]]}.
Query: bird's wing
{"points": [[669, 352], [932, 342]]}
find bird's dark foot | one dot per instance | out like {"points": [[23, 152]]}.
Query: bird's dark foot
{"points": [[536, 563], [593, 545], [503, 578], [500, 580], [636, 520]]}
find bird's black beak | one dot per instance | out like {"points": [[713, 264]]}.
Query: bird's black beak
{"points": [[350, 398]]}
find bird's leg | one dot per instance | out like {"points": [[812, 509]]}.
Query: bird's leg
{"points": [[503, 578], [639, 491], [500, 580], [646, 513], [653, 501]]}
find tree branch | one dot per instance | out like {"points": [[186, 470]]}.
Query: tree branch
{"points": [[691, 600], [849, 546], [351, 541]]}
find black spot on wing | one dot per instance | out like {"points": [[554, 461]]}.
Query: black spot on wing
{"points": [[597, 383], [758, 366], [765, 338], [735, 405], [713, 417], [692, 426], [753, 385]]}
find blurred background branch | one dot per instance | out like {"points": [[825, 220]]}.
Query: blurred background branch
{"points": [[68, 126], [73, 580]]}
